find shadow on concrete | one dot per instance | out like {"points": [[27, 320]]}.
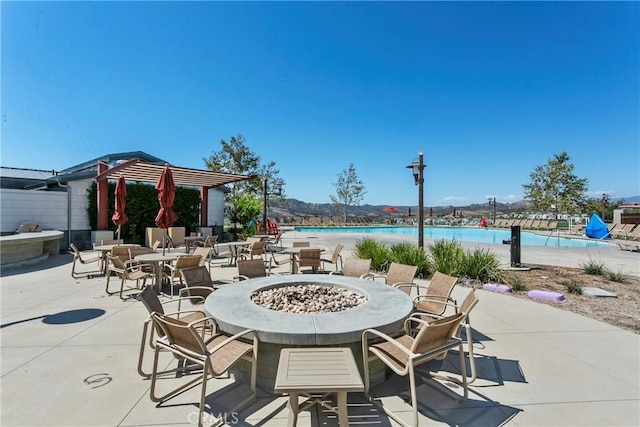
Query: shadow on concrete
{"points": [[488, 368], [63, 318], [477, 410], [50, 262]]}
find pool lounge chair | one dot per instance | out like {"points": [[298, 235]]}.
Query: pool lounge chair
{"points": [[621, 231]]}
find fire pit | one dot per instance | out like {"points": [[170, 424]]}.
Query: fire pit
{"points": [[384, 308], [308, 298]]}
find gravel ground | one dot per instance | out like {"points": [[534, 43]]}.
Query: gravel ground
{"points": [[622, 311]]}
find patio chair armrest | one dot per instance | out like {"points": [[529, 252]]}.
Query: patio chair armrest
{"points": [[240, 277], [417, 318], [178, 300], [403, 285], [181, 312], [231, 339], [437, 298], [386, 338], [183, 293], [418, 315], [374, 276]]}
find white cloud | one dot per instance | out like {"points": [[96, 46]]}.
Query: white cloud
{"points": [[455, 199]]}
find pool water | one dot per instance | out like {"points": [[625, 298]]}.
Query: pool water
{"points": [[464, 234]]}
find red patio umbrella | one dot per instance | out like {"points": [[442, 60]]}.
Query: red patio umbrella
{"points": [[408, 211], [119, 216], [166, 195], [390, 209]]}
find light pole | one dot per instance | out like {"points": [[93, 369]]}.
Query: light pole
{"points": [[265, 198], [417, 168], [605, 199], [493, 202]]}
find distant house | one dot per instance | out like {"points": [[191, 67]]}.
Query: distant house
{"points": [[57, 200], [627, 214]]}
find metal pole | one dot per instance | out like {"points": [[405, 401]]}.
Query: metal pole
{"points": [[494, 211], [265, 197], [420, 201]]}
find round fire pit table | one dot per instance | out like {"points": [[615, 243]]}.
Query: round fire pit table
{"points": [[231, 306]]}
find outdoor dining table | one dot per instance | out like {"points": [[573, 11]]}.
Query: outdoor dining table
{"points": [[105, 249], [295, 251], [156, 259], [233, 248]]}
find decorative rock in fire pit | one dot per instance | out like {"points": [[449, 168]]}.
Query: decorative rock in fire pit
{"points": [[308, 298]]}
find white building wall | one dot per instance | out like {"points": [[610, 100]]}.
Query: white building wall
{"points": [[79, 204], [215, 213], [45, 208]]}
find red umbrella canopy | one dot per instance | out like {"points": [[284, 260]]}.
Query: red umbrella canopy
{"points": [[408, 211], [166, 195], [390, 209], [119, 217]]}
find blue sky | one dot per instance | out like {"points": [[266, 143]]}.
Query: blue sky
{"points": [[487, 90]]}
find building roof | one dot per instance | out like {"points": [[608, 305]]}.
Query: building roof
{"points": [[135, 170], [135, 166], [22, 173], [112, 159]]}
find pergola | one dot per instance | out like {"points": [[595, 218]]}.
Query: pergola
{"points": [[138, 171]]}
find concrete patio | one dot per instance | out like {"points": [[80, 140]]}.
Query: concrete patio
{"points": [[69, 355]]}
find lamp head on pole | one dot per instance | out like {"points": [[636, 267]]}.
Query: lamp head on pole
{"points": [[278, 188], [417, 167]]}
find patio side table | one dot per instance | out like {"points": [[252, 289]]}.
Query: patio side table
{"points": [[313, 371]]}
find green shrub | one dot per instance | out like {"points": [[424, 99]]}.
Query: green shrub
{"points": [[378, 252], [516, 284], [594, 268], [618, 277], [406, 253], [573, 287], [447, 256], [142, 208], [480, 264]]}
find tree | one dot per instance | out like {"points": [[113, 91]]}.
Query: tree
{"points": [[349, 190], [554, 187], [236, 157], [246, 209], [593, 205]]}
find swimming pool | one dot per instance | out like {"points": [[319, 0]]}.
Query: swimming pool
{"points": [[464, 234]]}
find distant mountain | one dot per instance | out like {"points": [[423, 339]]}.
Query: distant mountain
{"points": [[297, 208], [627, 200]]}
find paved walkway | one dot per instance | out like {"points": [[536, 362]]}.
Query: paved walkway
{"points": [[69, 357]]}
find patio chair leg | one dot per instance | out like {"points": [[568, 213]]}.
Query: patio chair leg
{"points": [[472, 360], [413, 391], [106, 288], [154, 377]]}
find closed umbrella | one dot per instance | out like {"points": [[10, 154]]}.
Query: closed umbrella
{"points": [[119, 216], [166, 195]]}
